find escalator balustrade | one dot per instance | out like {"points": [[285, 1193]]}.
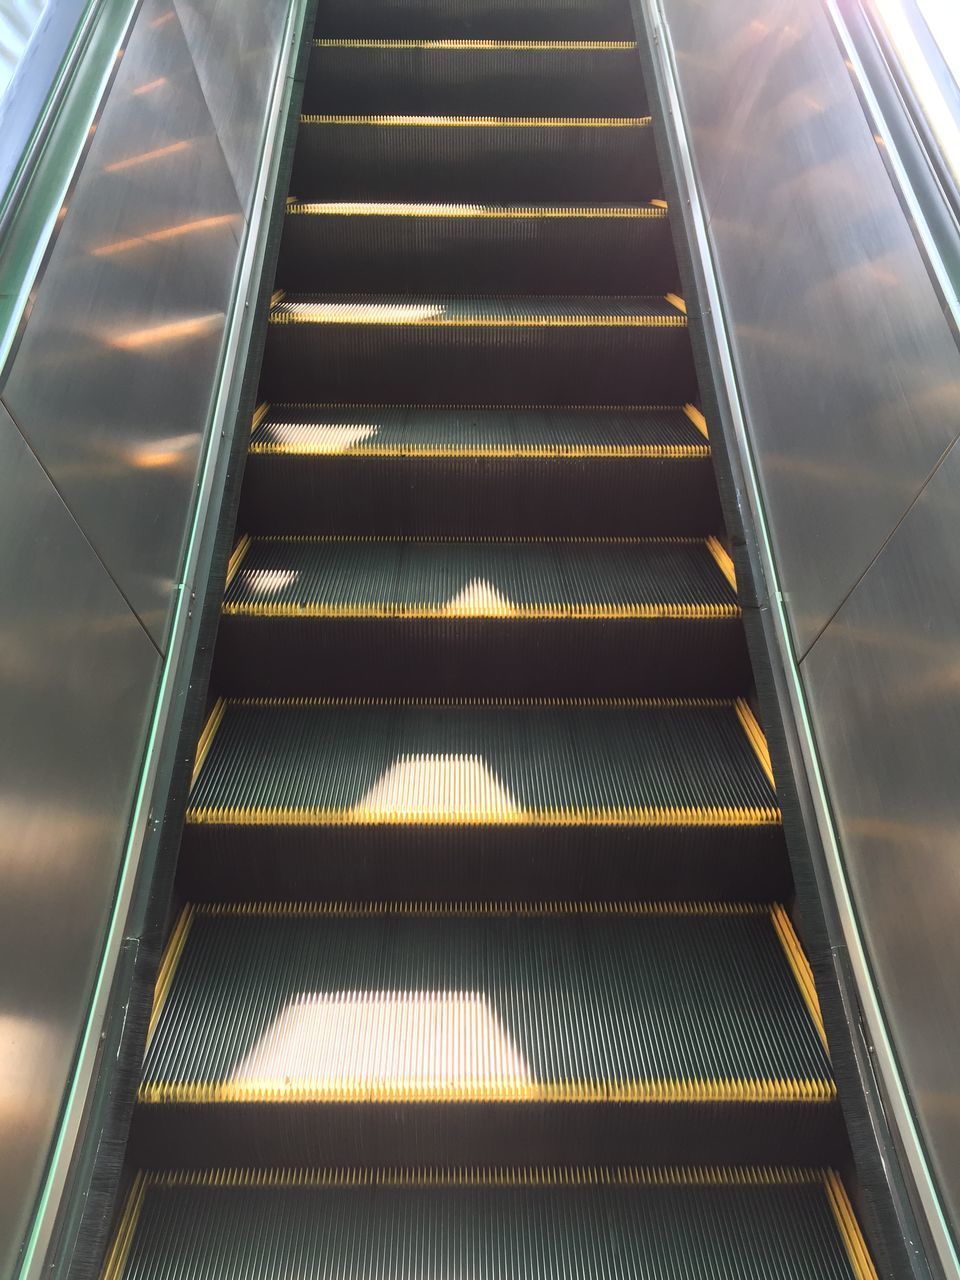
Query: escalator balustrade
{"points": [[484, 961]]}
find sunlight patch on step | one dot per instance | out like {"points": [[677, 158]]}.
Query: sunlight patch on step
{"points": [[360, 1043], [480, 599], [263, 583], [309, 437], [440, 786]]}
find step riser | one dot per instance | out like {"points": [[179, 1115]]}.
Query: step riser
{"points": [[556, 365], [502, 496], [479, 863], [484, 164], [262, 657], [196, 1136], [479, 20], [346, 253], [511, 82]]}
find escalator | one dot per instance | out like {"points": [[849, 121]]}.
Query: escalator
{"points": [[484, 961]]}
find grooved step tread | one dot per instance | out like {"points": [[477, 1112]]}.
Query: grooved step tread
{"points": [[356, 761], [583, 1224], [628, 1002], [477, 122], [379, 430], [479, 312], [486, 578]]}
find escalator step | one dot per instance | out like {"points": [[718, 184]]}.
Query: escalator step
{"points": [[343, 1031], [477, 617], [441, 350], [467, 77], [581, 1223], [471, 248], [479, 19], [487, 159], [446, 798], [375, 469]]}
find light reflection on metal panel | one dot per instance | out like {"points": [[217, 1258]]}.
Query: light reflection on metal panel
{"points": [[848, 368], [76, 671], [884, 687], [235, 45], [112, 381]]}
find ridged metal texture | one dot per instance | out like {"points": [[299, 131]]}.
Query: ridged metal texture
{"points": [[523, 78], [401, 762], [383, 470], [665, 1225], [492, 19], [469, 248], [481, 311], [335, 429], [373, 577], [500, 350], [642, 1004], [493, 160]]}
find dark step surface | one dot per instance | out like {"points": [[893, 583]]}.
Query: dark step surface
{"points": [[417, 617], [496, 350], [477, 248], [583, 1224], [475, 77], [382, 1035], [484, 159], [447, 798], [477, 19], [375, 469]]}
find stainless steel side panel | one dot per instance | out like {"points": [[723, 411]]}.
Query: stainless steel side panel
{"points": [[235, 46], [883, 683], [849, 373], [74, 668], [112, 382]]}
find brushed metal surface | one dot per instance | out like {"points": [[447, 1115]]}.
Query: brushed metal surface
{"points": [[883, 683], [76, 679], [848, 369], [112, 382], [235, 46]]}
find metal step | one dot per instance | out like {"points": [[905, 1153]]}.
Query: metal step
{"points": [[471, 248], [473, 77], [483, 159], [376, 1035], [422, 1224], [451, 798], [379, 469], [481, 617], [479, 19], [497, 350]]}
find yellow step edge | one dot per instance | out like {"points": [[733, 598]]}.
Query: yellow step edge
{"points": [[697, 418], [560, 452], [116, 1260], [207, 735], [260, 413], [414, 1091], [546, 46], [756, 736], [533, 1176], [849, 1228], [800, 967], [288, 405], [484, 907], [676, 301], [724, 562], [168, 966], [491, 611], [472, 211], [482, 122], [468, 704], [393, 314], [712, 817], [237, 558], [660, 204]]}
